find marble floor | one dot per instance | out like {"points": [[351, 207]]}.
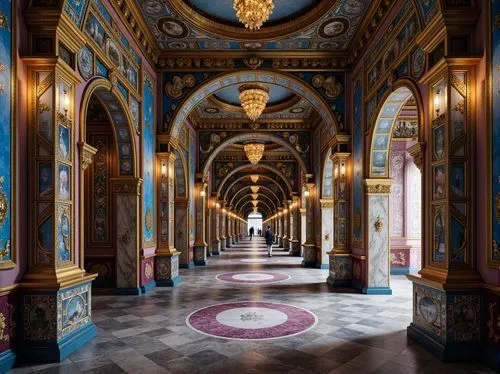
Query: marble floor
{"points": [[352, 333]]}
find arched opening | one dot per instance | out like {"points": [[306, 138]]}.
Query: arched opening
{"points": [[327, 215], [254, 220], [109, 186], [395, 136], [181, 208]]}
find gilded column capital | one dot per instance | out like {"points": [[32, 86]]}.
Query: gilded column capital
{"points": [[87, 153], [127, 185], [378, 186], [416, 151]]}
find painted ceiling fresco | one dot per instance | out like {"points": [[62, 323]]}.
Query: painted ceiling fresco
{"points": [[332, 25]]}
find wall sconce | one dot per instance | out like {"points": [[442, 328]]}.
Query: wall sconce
{"points": [[65, 102], [285, 211], [437, 101], [336, 172], [342, 170], [202, 193], [224, 211], [163, 168], [306, 193], [217, 205]]}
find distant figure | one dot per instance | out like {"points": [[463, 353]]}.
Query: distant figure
{"points": [[252, 230], [269, 241]]}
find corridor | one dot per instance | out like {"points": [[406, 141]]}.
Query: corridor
{"points": [[349, 333]]}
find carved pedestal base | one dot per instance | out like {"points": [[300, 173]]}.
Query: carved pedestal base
{"points": [[229, 242], [222, 243], [56, 323], [448, 324], [167, 270], [309, 256], [340, 270], [295, 248], [215, 248], [200, 255], [286, 244]]}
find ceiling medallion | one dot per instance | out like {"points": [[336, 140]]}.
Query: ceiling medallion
{"points": [[255, 189], [254, 152], [254, 178], [253, 99], [253, 13]]}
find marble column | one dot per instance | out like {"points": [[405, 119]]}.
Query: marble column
{"points": [[222, 226], [280, 227], [181, 233], [327, 231], [236, 230], [215, 229], [275, 228], [233, 231], [286, 227], [377, 193], [309, 246], [295, 245], [340, 260], [167, 256], [229, 239], [200, 244], [55, 275]]}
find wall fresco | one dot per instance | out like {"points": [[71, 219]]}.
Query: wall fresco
{"points": [[148, 137], [75, 10], [7, 171]]}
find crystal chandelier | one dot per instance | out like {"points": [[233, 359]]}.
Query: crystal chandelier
{"points": [[254, 178], [254, 152], [255, 189], [253, 99], [253, 13]]}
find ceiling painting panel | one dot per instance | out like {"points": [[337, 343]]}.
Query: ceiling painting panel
{"points": [[297, 25]]}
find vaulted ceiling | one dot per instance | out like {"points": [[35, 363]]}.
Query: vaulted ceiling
{"points": [[208, 25]]}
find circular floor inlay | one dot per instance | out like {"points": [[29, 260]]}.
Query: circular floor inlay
{"points": [[251, 320], [252, 277]]}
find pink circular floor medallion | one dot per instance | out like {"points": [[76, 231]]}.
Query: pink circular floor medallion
{"points": [[251, 320], [252, 277]]}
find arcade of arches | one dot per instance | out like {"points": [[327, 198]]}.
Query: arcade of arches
{"points": [[141, 139]]}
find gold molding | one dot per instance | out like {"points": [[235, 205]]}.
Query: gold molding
{"points": [[416, 151], [127, 185]]}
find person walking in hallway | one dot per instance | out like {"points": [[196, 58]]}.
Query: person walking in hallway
{"points": [[251, 232], [269, 241]]}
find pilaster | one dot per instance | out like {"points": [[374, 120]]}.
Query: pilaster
{"points": [[309, 246], [200, 244]]}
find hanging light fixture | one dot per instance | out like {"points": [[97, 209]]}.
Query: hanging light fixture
{"points": [[254, 98], [254, 178], [255, 189], [254, 151], [255, 202], [253, 13], [255, 196]]}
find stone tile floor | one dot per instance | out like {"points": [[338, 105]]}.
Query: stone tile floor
{"points": [[355, 333]]}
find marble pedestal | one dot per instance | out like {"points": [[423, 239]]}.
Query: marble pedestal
{"points": [[215, 247], [286, 244], [200, 255], [309, 256], [295, 248], [340, 270], [229, 242], [222, 241], [167, 270]]}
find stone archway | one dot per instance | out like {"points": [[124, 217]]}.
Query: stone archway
{"points": [[122, 187], [379, 184], [327, 215]]}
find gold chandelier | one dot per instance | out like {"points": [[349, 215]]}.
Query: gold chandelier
{"points": [[253, 99], [254, 178], [253, 13], [255, 202], [254, 152], [255, 189]]}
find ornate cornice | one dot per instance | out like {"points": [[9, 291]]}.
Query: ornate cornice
{"points": [[132, 17]]}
